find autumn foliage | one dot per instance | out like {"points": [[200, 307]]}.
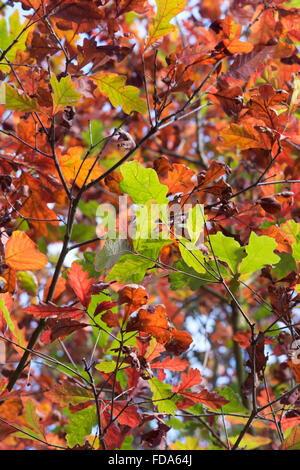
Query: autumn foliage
{"points": [[110, 342]]}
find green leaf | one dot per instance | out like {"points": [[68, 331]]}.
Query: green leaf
{"points": [[68, 367], [18, 101], [28, 282], [7, 39], [80, 425], [147, 219], [88, 263], [191, 255], [195, 222], [95, 301], [32, 418], [82, 232], [95, 132], [113, 86], [129, 268], [109, 366], [285, 266], [127, 443], [263, 312], [227, 249], [64, 93], [179, 280], [142, 184], [291, 4], [260, 253], [111, 253], [126, 338], [190, 444], [296, 251], [162, 392], [89, 208], [150, 248], [33, 434], [235, 405], [15, 331]]}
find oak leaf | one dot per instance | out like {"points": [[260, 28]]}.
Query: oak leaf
{"points": [[60, 328], [51, 310], [166, 10], [78, 170], [113, 86], [81, 284]]}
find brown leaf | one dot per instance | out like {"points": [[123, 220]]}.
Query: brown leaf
{"points": [[59, 328], [110, 319], [11, 409], [78, 12]]}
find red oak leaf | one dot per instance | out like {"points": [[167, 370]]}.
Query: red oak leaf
{"points": [[80, 283]]}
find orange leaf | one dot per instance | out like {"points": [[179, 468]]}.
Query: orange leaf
{"points": [[21, 253], [74, 167], [243, 338], [134, 296], [235, 46], [193, 377], [9, 276], [215, 171], [243, 137], [153, 320], [36, 206], [178, 179], [296, 370], [11, 409], [169, 363]]}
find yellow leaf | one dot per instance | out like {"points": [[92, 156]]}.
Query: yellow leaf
{"points": [[113, 86], [64, 93], [250, 442], [166, 10], [21, 253], [191, 443], [296, 92]]}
